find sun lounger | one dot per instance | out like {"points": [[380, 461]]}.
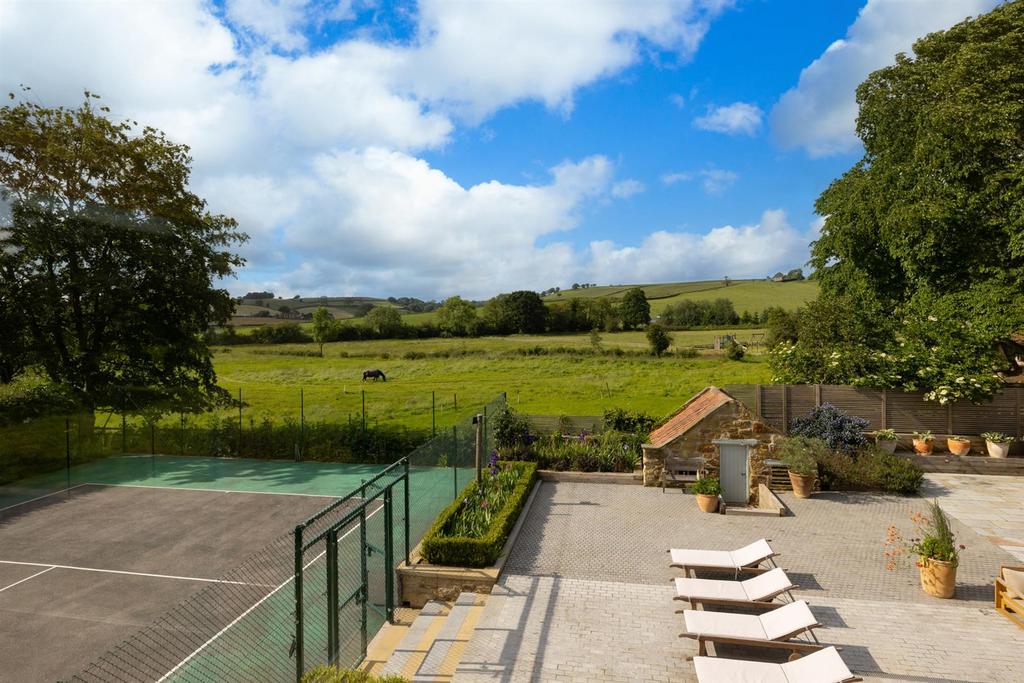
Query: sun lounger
{"points": [[745, 560], [1010, 594], [824, 666], [772, 629], [757, 591]]}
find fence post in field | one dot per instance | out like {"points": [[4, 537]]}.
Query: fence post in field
{"points": [[364, 410], [433, 413], [478, 420], [455, 401], [124, 435]]}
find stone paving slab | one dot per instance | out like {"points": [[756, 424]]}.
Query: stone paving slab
{"points": [[586, 593], [992, 506]]}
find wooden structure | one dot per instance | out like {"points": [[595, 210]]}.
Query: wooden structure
{"points": [[565, 424], [1009, 603], [904, 411]]}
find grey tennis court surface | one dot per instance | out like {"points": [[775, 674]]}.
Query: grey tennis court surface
{"points": [[82, 570]]}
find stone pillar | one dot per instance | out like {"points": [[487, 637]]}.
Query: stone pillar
{"points": [[654, 464]]}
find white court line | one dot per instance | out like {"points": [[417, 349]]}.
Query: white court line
{"points": [[25, 579], [246, 612], [118, 571], [41, 497], [189, 488]]}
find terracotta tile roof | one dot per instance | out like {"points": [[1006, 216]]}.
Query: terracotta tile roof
{"points": [[696, 409]]}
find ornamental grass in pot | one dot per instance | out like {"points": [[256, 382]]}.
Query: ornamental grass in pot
{"points": [[887, 439], [798, 454], [924, 442], [707, 491], [938, 554], [997, 444]]}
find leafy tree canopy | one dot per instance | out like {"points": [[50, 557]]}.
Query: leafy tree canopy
{"points": [[108, 262], [517, 312], [635, 309], [921, 258], [385, 321], [457, 317]]}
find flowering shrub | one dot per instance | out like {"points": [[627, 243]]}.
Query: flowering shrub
{"points": [[935, 540], [873, 469], [839, 431]]}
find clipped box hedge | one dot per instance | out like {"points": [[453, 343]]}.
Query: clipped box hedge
{"points": [[462, 551]]}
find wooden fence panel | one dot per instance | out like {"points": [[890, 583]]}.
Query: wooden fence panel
{"points": [[565, 424], [906, 412]]}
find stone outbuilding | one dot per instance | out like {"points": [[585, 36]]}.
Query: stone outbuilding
{"points": [[707, 423]]}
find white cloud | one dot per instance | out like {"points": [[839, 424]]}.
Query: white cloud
{"points": [[738, 118], [676, 177], [314, 152], [716, 180], [627, 188], [745, 251], [819, 114], [678, 100]]}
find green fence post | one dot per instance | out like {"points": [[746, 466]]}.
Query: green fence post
{"points": [[406, 512], [299, 664], [302, 423], [181, 446], [364, 576], [389, 555], [239, 454], [455, 401], [455, 464], [67, 448], [332, 596]]}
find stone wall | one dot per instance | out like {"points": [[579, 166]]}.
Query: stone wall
{"points": [[732, 421]]}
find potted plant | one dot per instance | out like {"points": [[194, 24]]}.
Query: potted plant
{"points": [[886, 439], [938, 554], [997, 444], [958, 445], [923, 442], [707, 491], [797, 453]]}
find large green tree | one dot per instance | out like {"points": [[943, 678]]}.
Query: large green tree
{"points": [[110, 264], [517, 312], [324, 327], [921, 258], [457, 317], [385, 321], [635, 309]]}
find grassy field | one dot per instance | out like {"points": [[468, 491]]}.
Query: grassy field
{"points": [[746, 295], [270, 377]]}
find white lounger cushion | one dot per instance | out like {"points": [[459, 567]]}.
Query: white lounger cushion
{"points": [[824, 666], [723, 559], [760, 587], [783, 621]]}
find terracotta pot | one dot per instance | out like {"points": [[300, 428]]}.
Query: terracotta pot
{"points": [[923, 447], [938, 578], [803, 484], [997, 450], [707, 502], [958, 447], [888, 445]]}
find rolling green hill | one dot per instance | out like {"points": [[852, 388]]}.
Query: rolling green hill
{"points": [[746, 295]]}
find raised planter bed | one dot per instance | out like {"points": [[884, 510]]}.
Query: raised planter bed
{"points": [[967, 464], [591, 477], [421, 581]]}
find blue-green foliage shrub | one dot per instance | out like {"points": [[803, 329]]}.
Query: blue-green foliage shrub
{"points": [[839, 431]]}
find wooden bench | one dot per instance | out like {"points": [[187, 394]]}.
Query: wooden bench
{"points": [[681, 470], [1009, 603]]}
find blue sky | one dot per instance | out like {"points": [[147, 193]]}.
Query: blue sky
{"points": [[441, 147]]}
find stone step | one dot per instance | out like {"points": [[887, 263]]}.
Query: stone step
{"points": [[432, 648]]}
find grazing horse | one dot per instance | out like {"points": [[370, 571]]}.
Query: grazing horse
{"points": [[374, 374]]}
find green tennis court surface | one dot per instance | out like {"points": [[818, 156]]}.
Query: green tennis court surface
{"points": [[190, 559]]}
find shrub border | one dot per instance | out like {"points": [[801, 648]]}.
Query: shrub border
{"points": [[463, 551]]}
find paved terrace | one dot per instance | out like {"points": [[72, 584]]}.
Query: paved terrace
{"points": [[587, 597]]}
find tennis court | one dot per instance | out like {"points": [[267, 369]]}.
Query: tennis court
{"points": [[83, 569]]}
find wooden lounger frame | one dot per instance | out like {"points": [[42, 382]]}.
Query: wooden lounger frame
{"points": [[1008, 605]]}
